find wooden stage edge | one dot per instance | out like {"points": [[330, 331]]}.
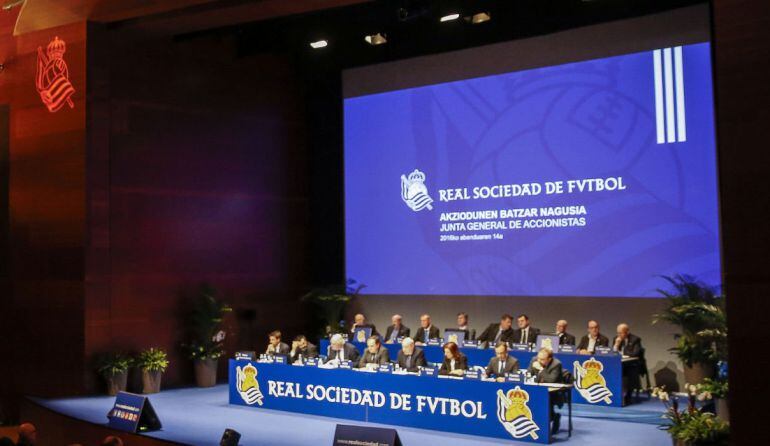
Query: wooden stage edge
{"points": [[57, 429]]}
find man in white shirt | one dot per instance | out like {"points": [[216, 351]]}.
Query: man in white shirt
{"points": [[501, 364], [426, 331], [339, 350], [593, 339]]}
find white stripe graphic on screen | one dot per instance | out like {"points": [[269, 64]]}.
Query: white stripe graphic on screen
{"points": [[681, 126], [668, 74], [657, 59]]}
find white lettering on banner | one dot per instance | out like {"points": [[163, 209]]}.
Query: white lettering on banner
{"points": [[522, 190], [373, 398], [468, 409]]}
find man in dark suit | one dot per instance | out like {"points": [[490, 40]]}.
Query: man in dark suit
{"points": [[275, 346], [593, 339], [497, 333], [375, 353], [426, 331], [628, 345], [339, 350], [547, 369], [462, 325], [410, 358], [302, 349], [359, 321], [564, 337], [501, 364], [396, 330], [525, 334]]}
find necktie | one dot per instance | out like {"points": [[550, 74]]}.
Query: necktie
{"points": [[408, 361], [426, 335], [502, 366], [394, 334], [497, 338], [524, 336]]}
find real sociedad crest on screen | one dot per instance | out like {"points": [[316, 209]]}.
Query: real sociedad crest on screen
{"points": [[414, 193], [514, 415], [590, 383], [247, 385]]}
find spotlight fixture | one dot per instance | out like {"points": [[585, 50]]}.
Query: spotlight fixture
{"points": [[449, 17], [319, 44], [10, 4], [480, 17], [376, 39]]}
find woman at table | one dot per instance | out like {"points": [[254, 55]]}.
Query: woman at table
{"points": [[455, 363]]}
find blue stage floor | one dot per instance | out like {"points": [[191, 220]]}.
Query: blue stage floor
{"points": [[198, 417]]}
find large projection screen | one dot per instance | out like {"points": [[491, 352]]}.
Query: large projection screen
{"points": [[579, 164]]}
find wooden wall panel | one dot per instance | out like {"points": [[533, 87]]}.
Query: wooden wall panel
{"points": [[742, 70], [42, 311], [204, 155]]}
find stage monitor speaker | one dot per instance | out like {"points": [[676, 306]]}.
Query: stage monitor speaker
{"points": [[230, 438], [133, 413], [347, 434]]}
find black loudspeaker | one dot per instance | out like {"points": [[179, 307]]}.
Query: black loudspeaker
{"points": [[230, 438]]}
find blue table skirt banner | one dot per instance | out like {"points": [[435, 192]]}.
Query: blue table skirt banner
{"points": [[598, 378], [508, 410]]}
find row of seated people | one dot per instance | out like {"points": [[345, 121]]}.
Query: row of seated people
{"points": [[624, 342], [410, 357]]}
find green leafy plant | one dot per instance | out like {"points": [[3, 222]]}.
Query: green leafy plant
{"points": [[152, 360], [698, 311], [691, 425], [111, 364], [331, 301], [205, 325], [712, 388]]}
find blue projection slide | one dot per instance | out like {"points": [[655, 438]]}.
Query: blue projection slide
{"points": [[592, 178]]}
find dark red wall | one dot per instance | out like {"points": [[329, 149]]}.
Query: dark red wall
{"points": [[43, 187], [742, 70], [199, 166]]}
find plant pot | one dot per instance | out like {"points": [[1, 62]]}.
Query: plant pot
{"points": [[698, 372], [206, 372], [722, 409], [116, 383], [151, 381]]}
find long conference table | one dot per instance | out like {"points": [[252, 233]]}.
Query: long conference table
{"points": [[505, 410], [598, 378]]}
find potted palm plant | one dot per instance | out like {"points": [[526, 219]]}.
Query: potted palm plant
{"points": [[113, 367], [207, 335], [331, 301], [698, 311], [152, 362]]}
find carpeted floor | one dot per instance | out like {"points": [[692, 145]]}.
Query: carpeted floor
{"points": [[198, 416]]}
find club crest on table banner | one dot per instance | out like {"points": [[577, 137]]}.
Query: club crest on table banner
{"points": [[514, 414], [248, 387], [590, 382]]}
